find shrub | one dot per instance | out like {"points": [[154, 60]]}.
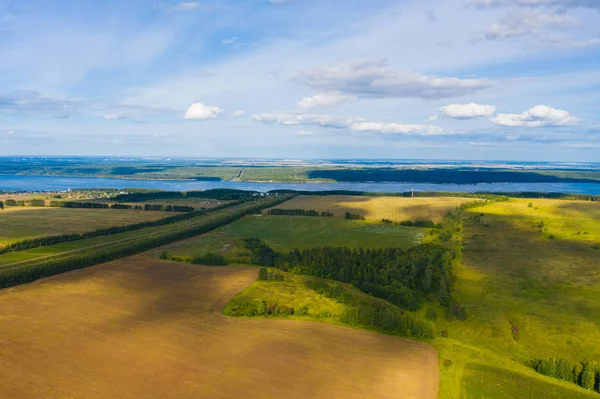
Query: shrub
{"points": [[431, 314]]}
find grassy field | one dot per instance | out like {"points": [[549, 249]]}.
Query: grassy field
{"points": [[79, 247], [397, 209], [515, 274], [19, 223], [482, 381], [144, 328], [284, 233]]}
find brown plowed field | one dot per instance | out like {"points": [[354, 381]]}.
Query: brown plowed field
{"points": [[145, 328]]}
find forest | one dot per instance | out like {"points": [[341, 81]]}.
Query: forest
{"points": [[403, 278]]}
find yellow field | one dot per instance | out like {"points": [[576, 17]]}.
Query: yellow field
{"points": [[396, 209], [144, 328], [569, 220]]}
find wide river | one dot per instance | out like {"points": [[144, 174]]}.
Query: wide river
{"points": [[51, 183]]}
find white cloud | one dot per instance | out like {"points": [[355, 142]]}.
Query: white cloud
{"points": [[566, 42], [375, 79], [304, 133], [201, 111], [396, 128], [324, 100], [466, 111], [536, 3], [303, 119], [529, 22], [239, 113], [356, 124], [10, 132], [538, 116]]}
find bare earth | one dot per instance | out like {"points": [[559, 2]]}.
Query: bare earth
{"points": [[145, 328]]}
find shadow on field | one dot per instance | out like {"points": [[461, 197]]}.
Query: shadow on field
{"points": [[164, 291], [524, 270]]}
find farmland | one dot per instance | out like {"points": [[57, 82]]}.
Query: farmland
{"points": [[527, 274], [19, 223], [542, 279], [285, 233], [139, 327], [396, 209]]}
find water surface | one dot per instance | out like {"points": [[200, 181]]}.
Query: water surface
{"points": [[56, 183]]}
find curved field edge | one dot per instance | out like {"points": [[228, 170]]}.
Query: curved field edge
{"points": [[141, 327]]}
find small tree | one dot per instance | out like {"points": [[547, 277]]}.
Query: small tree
{"points": [[588, 376], [262, 273]]}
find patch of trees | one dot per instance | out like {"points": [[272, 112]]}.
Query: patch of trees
{"points": [[265, 274], [586, 375], [75, 204], [223, 194], [148, 195], [32, 202], [403, 278], [209, 259], [298, 212], [1, 205], [23, 274], [353, 216], [440, 176], [429, 224], [257, 307]]}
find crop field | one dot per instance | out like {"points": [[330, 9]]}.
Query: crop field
{"points": [[90, 245], [19, 223], [146, 328], [514, 273], [396, 209], [285, 233]]}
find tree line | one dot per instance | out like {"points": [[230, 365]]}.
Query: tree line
{"points": [[298, 212], [25, 274], [58, 239], [586, 375], [32, 202], [403, 278]]}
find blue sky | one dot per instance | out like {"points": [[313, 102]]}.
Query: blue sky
{"points": [[451, 79]]}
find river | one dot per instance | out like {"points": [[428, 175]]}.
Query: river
{"points": [[55, 183]]}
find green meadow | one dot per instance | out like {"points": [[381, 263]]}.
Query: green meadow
{"points": [[285, 233], [531, 291], [20, 223]]}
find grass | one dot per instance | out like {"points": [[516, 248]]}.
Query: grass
{"points": [[93, 244], [293, 292], [513, 274], [285, 233], [396, 209], [567, 220], [485, 382], [19, 223]]}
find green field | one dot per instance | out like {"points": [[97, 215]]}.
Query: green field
{"points": [[20, 223], [482, 382], [513, 273], [285, 233], [67, 249]]}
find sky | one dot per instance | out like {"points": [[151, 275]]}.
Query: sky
{"points": [[427, 79]]}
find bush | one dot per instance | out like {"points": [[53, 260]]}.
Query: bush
{"points": [[431, 314]]}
